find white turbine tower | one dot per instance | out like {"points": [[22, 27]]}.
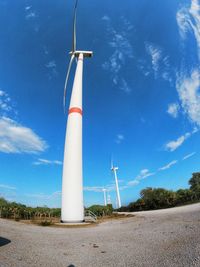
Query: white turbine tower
{"points": [[72, 182], [114, 169], [104, 195], [109, 199]]}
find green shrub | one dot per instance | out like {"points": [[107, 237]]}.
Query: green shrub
{"points": [[100, 210]]}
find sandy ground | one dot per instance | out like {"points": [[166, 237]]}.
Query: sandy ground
{"points": [[168, 237]]}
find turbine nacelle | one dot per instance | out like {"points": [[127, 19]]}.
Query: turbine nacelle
{"points": [[77, 53], [114, 168]]}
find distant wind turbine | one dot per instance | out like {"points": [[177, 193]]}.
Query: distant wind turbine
{"points": [[72, 182], [109, 199], [104, 195], [114, 169]]}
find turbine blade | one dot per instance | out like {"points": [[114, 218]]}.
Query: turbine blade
{"points": [[111, 162], [66, 80], [74, 28]]}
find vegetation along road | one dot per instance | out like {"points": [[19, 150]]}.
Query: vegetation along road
{"points": [[169, 237]]}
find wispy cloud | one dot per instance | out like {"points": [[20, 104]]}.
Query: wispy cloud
{"points": [[47, 162], [156, 63], [173, 145], [183, 21], [9, 192], [30, 15], [195, 23], [93, 188], [122, 50], [188, 83], [173, 109], [168, 166], [15, 138], [133, 182], [5, 104], [188, 88], [51, 65], [119, 138], [42, 196], [4, 186], [144, 174], [188, 20], [28, 7], [189, 156], [108, 187], [156, 55]]}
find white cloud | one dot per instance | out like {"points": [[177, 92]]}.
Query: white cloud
{"points": [[189, 156], [30, 15], [51, 64], [2, 93], [109, 188], [124, 86], [183, 21], [28, 7], [173, 109], [42, 196], [5, 103], [155, 54], [93, 188], [119, 138], [189, 93], [195, 21], [4, 186], [106, 18], [15, 138], [46, 51], [47, 162], [188, 20], [158, 65], [173, 145], [144, 174], [168, 165], [112, 186], [133, 183], [122, 50]]}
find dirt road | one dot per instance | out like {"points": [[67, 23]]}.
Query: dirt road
{"points": [[168, 237]]}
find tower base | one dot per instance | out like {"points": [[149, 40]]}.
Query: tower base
{"points": [[62, 221]]}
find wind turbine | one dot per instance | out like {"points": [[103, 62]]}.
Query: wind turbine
{"points": [[104, 195], [72, 181], [114, 169], [109, 199]]}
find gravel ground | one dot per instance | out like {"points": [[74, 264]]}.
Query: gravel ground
{"points": [[168, 237]]}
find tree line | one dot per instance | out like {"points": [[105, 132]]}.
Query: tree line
{"points": [[17, 211], [159, 198], [150, 198]]}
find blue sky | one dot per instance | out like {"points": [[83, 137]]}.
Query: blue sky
{"points": [[141, 96]]}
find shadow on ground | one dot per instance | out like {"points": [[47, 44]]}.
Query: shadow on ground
{"points": [[4, 241]]}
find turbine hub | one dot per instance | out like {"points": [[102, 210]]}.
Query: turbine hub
{"points": [[85, 53]]}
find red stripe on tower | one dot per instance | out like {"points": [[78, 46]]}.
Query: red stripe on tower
{"points": [[75, 110]]}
